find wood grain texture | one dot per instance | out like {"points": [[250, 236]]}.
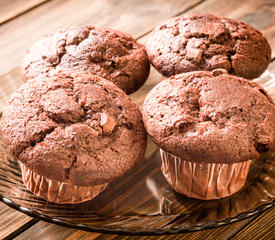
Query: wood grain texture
{"points": [[11, 9], [262, 228], [43, 230], [8, 84], [271, 67], [12, 222]]}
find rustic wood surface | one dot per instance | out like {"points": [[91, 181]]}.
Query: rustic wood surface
{"points": [[260, 230], [12, 222], [24, 22], [12, 9]]}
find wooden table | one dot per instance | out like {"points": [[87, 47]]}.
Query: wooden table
{"points": [[23, 22]]}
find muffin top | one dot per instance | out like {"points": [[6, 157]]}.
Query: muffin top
{"points": [[74, 128], [206, 42], [207, 117], [107, 53]]}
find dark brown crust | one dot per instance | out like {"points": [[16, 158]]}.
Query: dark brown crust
{"points": [[206, 42], [74, 128], [107, 53], [205, 118]]}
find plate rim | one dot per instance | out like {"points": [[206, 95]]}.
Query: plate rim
{"points": [[145, 231]]}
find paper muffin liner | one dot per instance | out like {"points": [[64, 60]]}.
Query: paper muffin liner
{"points": [[203, 180], [58, 192]]}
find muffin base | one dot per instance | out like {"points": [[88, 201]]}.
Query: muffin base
{"points": [[203, 180], [58, 192]]}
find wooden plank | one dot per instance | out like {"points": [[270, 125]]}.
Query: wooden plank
{"points": [[11, 9], [43, 230], [8, 84], [271, 67], [262, 228], [12, 222]]}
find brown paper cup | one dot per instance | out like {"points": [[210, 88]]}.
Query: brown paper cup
{"points": [[203, 180], [58, 192]]}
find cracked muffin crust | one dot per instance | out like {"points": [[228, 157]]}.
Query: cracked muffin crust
{"points": [[110, 54], [74, 128], [205, 117], [206, 42]]}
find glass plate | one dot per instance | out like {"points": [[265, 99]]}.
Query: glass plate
{"points": [[141, 202]]}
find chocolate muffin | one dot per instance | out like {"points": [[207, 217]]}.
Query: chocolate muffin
{"points": [[75, 129], [110, 54], [206, 42], [209, 127]]}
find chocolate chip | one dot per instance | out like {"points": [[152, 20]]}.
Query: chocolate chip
{"points": [[108, 123], [218, 72]]}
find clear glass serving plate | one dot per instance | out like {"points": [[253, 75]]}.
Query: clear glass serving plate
{"points": [[141, 202]]}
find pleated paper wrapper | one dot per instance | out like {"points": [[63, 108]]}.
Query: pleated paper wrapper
{"points": [[203, 180], [58, 192]]}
